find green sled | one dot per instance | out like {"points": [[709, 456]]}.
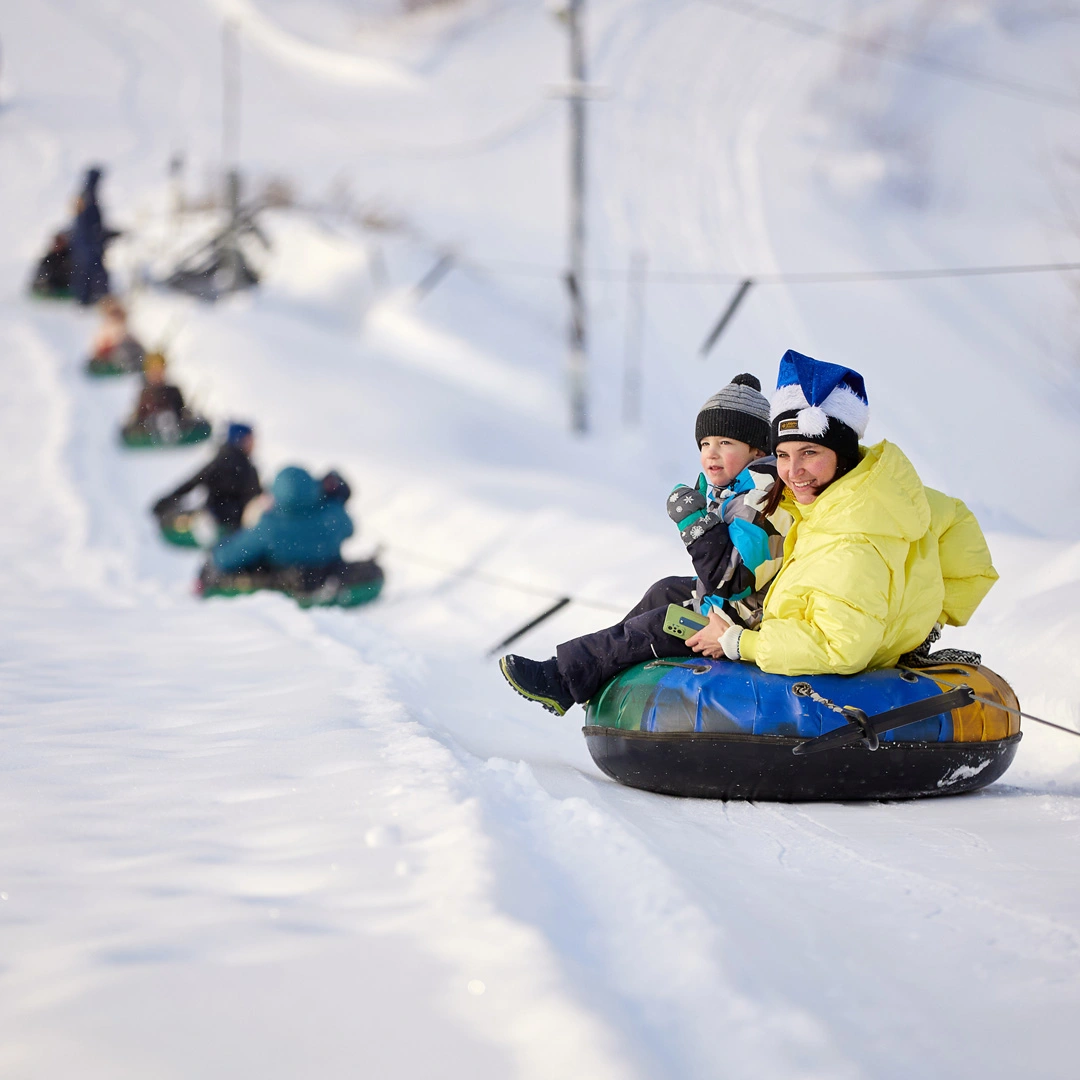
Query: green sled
{"points": [[137, 438]]}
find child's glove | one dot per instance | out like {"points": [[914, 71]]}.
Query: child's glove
{"points": [[686, 507]]}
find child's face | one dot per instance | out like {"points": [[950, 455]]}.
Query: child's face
{"points": [[722, 459]]}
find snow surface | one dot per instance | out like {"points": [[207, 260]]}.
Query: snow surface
{"points": [[244, 839]]}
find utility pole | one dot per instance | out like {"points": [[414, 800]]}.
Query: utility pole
{"points": [[232, 273], [230, 96], [575, 274]]}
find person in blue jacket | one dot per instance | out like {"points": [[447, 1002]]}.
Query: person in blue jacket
{"points": [[304, 528], [89, 278]]}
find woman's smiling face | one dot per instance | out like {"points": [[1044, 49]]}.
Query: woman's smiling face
{"points": [[806, 468]]}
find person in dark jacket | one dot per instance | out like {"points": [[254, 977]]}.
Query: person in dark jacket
{"points": [[89, 278], [230, 479], [115, 348], [158, 400], [304, 528], [53, 275]]}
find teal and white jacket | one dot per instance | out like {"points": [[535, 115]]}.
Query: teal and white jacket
{"points": [[739, 550]]}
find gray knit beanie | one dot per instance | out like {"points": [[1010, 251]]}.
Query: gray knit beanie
{"points": [[739, 411]]}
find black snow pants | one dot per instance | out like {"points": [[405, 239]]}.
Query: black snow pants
{"points": [[586, 663]]}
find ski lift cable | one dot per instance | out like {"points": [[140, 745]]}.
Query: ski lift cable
{"points": [[823, 277], [898, 55]]}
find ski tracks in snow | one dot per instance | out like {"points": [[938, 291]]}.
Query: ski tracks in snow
{"points": [[218, 822]]}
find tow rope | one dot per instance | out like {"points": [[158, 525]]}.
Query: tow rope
{"points": [[998, 705]]}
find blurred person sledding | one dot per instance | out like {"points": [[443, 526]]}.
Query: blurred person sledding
{"points": [[161, 417], [74, 266], [89, 278], [115, 351], [221, 490], [295, 548], [52, 278]]}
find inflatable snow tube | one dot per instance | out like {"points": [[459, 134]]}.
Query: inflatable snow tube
{"points": [[106, 367], [124, 358], [137, 437], [348, 585], [189, 529], [41, 293], [722, 730]]}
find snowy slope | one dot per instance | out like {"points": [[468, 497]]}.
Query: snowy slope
{"points": [[240, 838]]}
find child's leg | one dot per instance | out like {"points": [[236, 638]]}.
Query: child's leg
{"points": [[586, 663], [669, 590]]}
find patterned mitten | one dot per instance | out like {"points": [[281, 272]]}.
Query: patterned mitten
{"points": [[686, 506]]}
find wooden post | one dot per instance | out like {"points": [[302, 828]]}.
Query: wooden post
{"points": [[230, 95], [575, 276]]}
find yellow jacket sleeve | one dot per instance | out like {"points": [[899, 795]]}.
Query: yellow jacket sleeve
{"points": [[834, 621], [966, 567]]}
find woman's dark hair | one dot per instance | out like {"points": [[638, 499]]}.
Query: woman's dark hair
{"points": [[844, 465]]}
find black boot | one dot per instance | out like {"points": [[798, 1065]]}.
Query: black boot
{"points": [[537, 680]]}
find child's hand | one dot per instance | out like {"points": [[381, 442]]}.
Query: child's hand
{"points": [[707, 640], [686, 506]]}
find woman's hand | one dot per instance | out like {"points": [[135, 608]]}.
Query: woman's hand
{"points": [[707, 640]]}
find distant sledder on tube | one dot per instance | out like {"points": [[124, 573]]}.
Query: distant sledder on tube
{"points": [[89, 238], [115, 350], [74, 266], [815, 681], [295, 548], [52, 276], [221, 490], [161, 417]]}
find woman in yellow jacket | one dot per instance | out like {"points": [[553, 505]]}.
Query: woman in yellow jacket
{"points": [[873, 558]]}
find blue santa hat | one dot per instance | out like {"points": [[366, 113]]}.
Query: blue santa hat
{"points": [[819, 402]]}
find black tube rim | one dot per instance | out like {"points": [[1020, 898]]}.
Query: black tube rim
{"points": [[779, 740]]}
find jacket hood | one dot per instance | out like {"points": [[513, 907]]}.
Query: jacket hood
{"points": [[296, 491], [881, 496]]}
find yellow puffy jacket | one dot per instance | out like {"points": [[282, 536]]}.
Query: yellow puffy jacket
{"points": [[869, 566]]}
